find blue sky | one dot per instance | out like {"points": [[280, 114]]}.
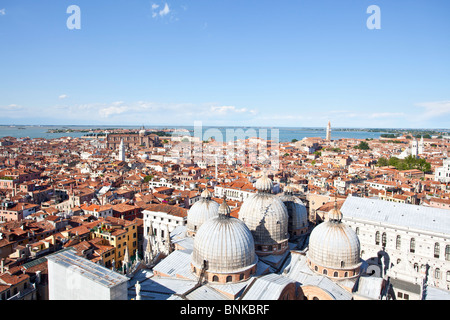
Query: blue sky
{"points": [[285, 63]]}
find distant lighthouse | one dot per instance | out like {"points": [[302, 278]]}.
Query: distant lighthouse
{"points": [[328, 131]]}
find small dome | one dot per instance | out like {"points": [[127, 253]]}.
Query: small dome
{"points": [[335, 214], [226, 244], [298, 215], [288, 190], [224, 209], [333, 244], [201, 211], [206, 194], [264, 184]]}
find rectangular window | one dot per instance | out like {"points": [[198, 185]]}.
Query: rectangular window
{"points": [[400, 295]]}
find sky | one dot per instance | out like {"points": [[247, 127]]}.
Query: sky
{"points": [[287, 63]]}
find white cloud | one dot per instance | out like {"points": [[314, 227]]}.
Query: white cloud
{"points": [[11, 107], [2, 12], [386, 115], [223, 110], [164, 11], [112, 110], [151, 112], [154, 7], [63, 96], [435, 109]]}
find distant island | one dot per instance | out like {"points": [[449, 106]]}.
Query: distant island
{"points": [[392, 132]]}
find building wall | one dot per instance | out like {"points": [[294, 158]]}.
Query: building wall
{"points": [[423, 255], [64, 284], [160, 222], [232, 194], [442, 174], [120, 242]]}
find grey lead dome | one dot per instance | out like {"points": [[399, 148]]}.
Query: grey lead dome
{"points": [[226, 244], [201, 211], [265, 215], [334, 245], [298, 215]]}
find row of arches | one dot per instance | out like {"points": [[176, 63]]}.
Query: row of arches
{"points": [[226, 278], [334, 273], [381, 239]]}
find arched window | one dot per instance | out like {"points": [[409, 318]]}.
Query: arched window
{"points": [[215, 278], [325, 272], [357, 230], [346, 274], [229, 278], [342, 264], [447, 252], [448, 276], [437, 273], [383, 239], [377, 238], [241, 276], [335, 274], [316, 268], [412, 245], [416, 267], [398, 243], [436, 250]]}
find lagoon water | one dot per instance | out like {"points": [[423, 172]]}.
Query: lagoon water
{"points": [[285, 134]]}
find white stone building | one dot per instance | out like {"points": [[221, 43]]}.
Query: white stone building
{"points": [[71, 277], [394, 233], [442, 174], [234, 194], [160, 221]]}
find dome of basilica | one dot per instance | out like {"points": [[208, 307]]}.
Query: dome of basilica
{"points": [[201, 211], [226, 245], [334, 248], [267, 218], [298, 215]]}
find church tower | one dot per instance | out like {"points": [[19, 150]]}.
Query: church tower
{"points": [[414, 148], [420, 151], [121, 151], [328, 138]]}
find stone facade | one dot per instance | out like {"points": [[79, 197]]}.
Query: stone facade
{"points": [[387, 243], [132, 140]]}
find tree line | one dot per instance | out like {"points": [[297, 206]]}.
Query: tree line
{"points": [[408, 163]]}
